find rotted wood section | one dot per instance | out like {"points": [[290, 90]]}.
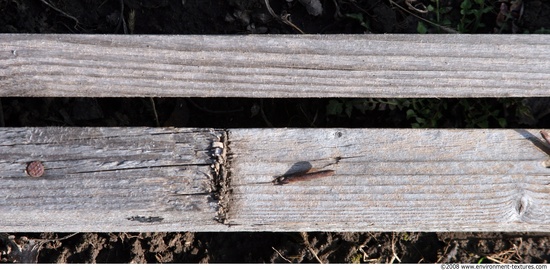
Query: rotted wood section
{"points": [[109, 179], [168, 179]]}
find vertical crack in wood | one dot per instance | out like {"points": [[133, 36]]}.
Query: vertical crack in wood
{"points": [[221, 165]]}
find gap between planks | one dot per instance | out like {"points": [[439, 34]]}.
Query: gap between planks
{"points": [[274, 66]]}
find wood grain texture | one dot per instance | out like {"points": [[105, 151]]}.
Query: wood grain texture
{"points": [[390, 180], [151, 179], [275, 66], [108, 179]]}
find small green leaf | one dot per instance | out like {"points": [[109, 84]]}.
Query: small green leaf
{"points": [[421, 28], [465, 7], [483, 124], [356, 16], [502, 122], [335, 107], [410, 113]]}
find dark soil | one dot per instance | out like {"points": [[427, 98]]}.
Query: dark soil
{"points": [[252, 17], [265, 247]]}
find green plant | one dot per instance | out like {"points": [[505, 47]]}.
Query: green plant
{"points": [[441, 19], [422, 112], [477, 113], [472, 11], [421, 28], [359, 18], [437, 113], [356, 259], [426, 113], [541, 31], [339, 107]]}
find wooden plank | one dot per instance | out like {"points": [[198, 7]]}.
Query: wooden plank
{"points": [[390, 180], [150, 179], [275, 66], [108, 179]]}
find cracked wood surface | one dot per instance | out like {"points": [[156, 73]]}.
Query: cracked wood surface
{"points": [[390, 180], [282, 66], [107, 179], [161, 179]]}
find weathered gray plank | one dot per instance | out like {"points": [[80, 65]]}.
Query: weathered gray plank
{"points": [[390, 180], [126, 179], [108, 179], [275, 66]]}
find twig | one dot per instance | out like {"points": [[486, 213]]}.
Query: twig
{"points": [[448, 253], [264, 117], [308, 245], [311, 123], [281, 255], [60, 11], [62, 238], [505, 257], [337, 13], [155, 114], [394, 257], [424, 10], [366, 256], [122, 17], [283, 19], [446, 29]]}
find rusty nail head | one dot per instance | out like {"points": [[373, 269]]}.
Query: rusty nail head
{"points": [[35, 169]]}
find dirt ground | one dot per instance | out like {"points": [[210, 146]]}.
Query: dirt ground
{"points": [[324, 247], [287, 17]]}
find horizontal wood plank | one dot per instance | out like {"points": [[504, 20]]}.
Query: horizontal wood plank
{"points": [[153, 179], [390, 180], [108, 179], [281, 66]]}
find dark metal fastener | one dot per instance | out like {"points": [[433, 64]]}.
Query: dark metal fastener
{"points": [[35, 169], [302, 176]]}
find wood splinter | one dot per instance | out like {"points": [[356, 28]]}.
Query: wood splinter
{"points": [[301, 176], [546, 137]]}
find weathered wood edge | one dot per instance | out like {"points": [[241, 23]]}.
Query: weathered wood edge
{"points": [[111, 179], [390, 180], [385, 180], [274, 66]]}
